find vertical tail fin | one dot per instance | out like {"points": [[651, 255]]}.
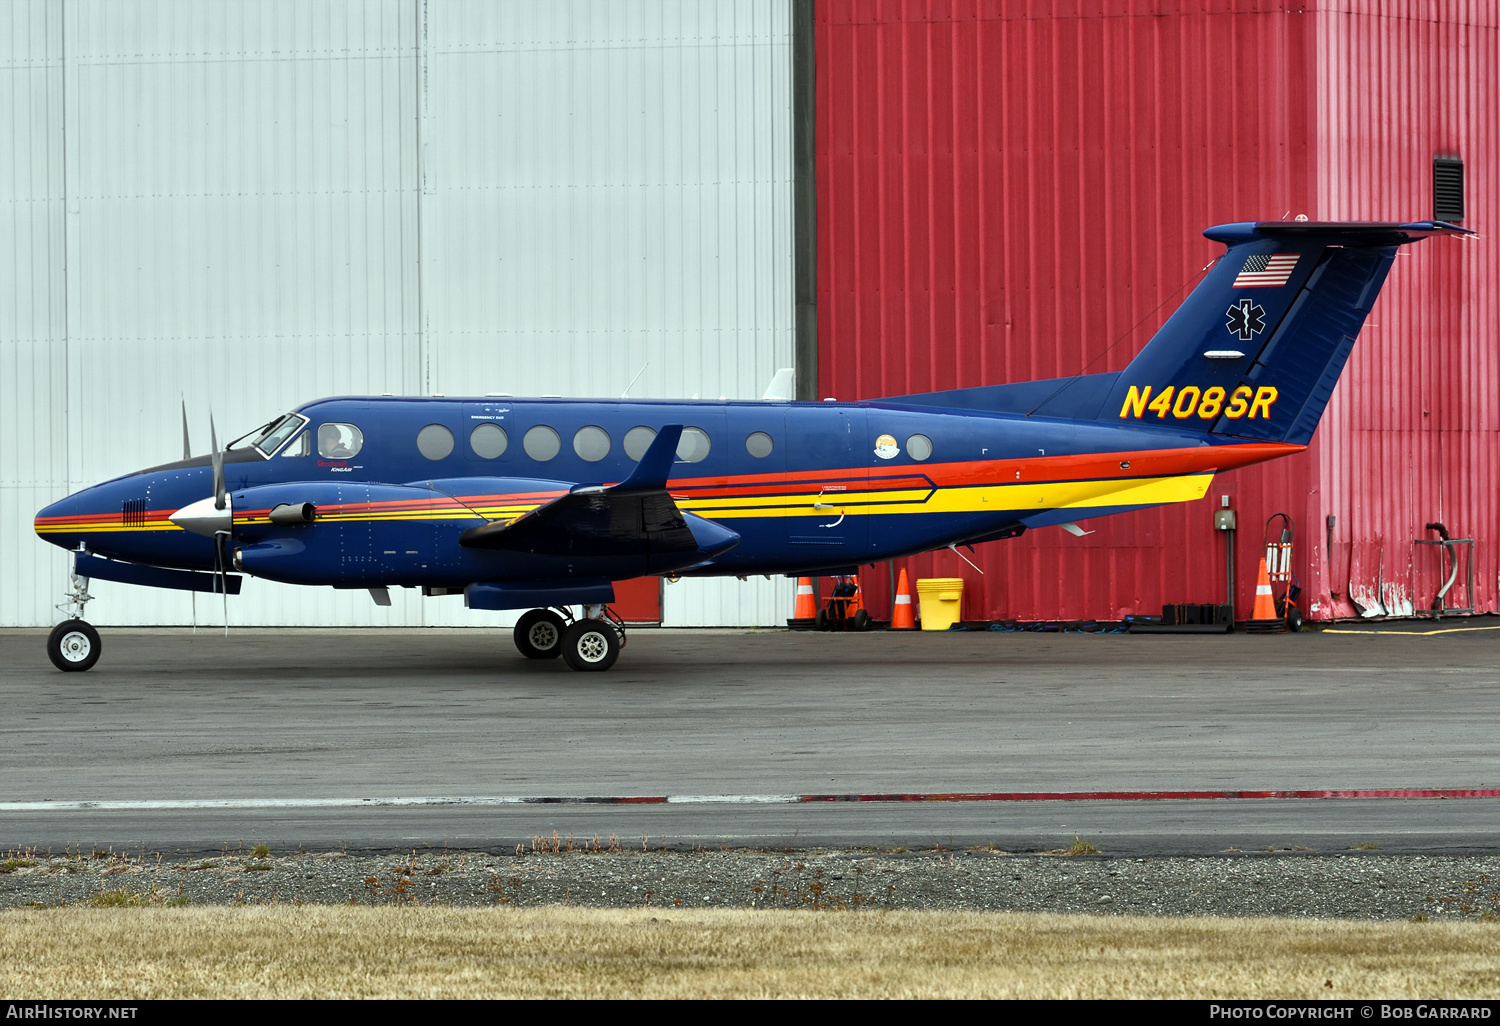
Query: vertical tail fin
{"points": [[1255, 350]]}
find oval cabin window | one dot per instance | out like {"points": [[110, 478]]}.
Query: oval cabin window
{"points": [[435, 441], [488, 441], [694, 445], [542, 443], [637, 441], [591, 443]]}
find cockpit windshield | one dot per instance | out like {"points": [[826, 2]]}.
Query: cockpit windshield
{"points": [[267, 438]]}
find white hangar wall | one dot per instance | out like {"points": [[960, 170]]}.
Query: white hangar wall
{"points": [[250, 205]]}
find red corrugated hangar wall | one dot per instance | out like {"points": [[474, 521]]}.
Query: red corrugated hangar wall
{"points": [[1010, 190]]}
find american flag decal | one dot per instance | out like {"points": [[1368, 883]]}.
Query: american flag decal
{"points": [[1266, 271]]}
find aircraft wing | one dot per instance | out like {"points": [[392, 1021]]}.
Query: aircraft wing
{"points": [[633, 518]]}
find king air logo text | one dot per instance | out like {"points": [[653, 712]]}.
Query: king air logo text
{"points": [[1205, 403]]}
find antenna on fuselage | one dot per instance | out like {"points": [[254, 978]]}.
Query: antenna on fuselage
{"points": [[626, 394], [187, 447]]}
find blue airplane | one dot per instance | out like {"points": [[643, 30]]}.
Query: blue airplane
{"points": [[541, 504]]}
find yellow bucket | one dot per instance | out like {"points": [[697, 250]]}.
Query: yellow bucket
{"points": [[941, 600]]}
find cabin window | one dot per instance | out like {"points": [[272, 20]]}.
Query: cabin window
{"points": [[637, 441], [759, 445], [919, 447], [694, 445], [542, 443], [435, 441], [339, 441], [299, 446], [591, 443], [488, 441]]}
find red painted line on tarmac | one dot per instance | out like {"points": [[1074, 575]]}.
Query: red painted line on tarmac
{"points": [[1146, 796]]}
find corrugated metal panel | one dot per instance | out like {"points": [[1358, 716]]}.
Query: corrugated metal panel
{"points": [[1010, 193], [241, 232], [262, 207], [606, 194], [33, 362], [1016, 190], [1413, 433]]}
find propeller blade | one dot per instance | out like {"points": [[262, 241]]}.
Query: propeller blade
{"points": [[187, 447], [218, 464]]}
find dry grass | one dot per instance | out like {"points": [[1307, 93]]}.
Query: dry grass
{"points": [[330, 951]]}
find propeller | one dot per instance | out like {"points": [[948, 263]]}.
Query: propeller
{"points": [[218, 463], [211, 517], [220, 536]]}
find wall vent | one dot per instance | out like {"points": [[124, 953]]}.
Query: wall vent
{"points": [[1448, 189]]}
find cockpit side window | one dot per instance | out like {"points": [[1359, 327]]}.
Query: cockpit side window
{"points": [[339, 441], [299, 446]]}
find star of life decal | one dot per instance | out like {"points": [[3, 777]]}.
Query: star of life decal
{"points": [[1247, 318]]}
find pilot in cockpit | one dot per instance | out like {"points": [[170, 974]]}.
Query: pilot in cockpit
{"points": [[338, 441]]}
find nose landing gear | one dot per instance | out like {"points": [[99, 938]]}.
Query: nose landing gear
{"points": [[73, 645], [591, 643]]}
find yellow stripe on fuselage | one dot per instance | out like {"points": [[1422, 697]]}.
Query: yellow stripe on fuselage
{"points": [[1081, 495], [106, 527], [1150, 491]]}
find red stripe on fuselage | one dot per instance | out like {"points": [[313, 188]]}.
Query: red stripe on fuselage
{"points": [[1032, 470]]}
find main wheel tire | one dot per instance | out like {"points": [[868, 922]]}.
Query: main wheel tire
{"points": [[73, 646], [591, 645], [539, 634]]}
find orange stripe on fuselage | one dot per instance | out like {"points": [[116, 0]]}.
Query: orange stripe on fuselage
{"points": [[1031, 470]]}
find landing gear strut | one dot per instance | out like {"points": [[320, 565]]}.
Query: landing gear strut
{"points": [[591, 643], [73, 645]]}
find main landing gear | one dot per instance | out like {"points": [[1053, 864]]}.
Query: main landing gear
{"points": [[592, 643], [73, 645]]}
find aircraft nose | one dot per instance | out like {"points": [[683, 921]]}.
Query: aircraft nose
{"points": [[64, 521]]}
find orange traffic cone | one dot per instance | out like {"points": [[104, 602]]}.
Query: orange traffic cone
{"points": [[901, 614], [807, 606], [1265, 604], [1263, 618]]}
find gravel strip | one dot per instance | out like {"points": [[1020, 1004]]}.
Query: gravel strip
{"points": [[1346, 886]]}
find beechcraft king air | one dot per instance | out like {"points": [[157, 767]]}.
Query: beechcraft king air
{"points": [[541, 504]]}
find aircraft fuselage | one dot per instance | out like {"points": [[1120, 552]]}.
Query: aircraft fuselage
{"points": [[806, 486]]}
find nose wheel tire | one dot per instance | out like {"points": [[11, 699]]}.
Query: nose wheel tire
{"points": [[539, 634], [73, 646], [591, 645]]}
